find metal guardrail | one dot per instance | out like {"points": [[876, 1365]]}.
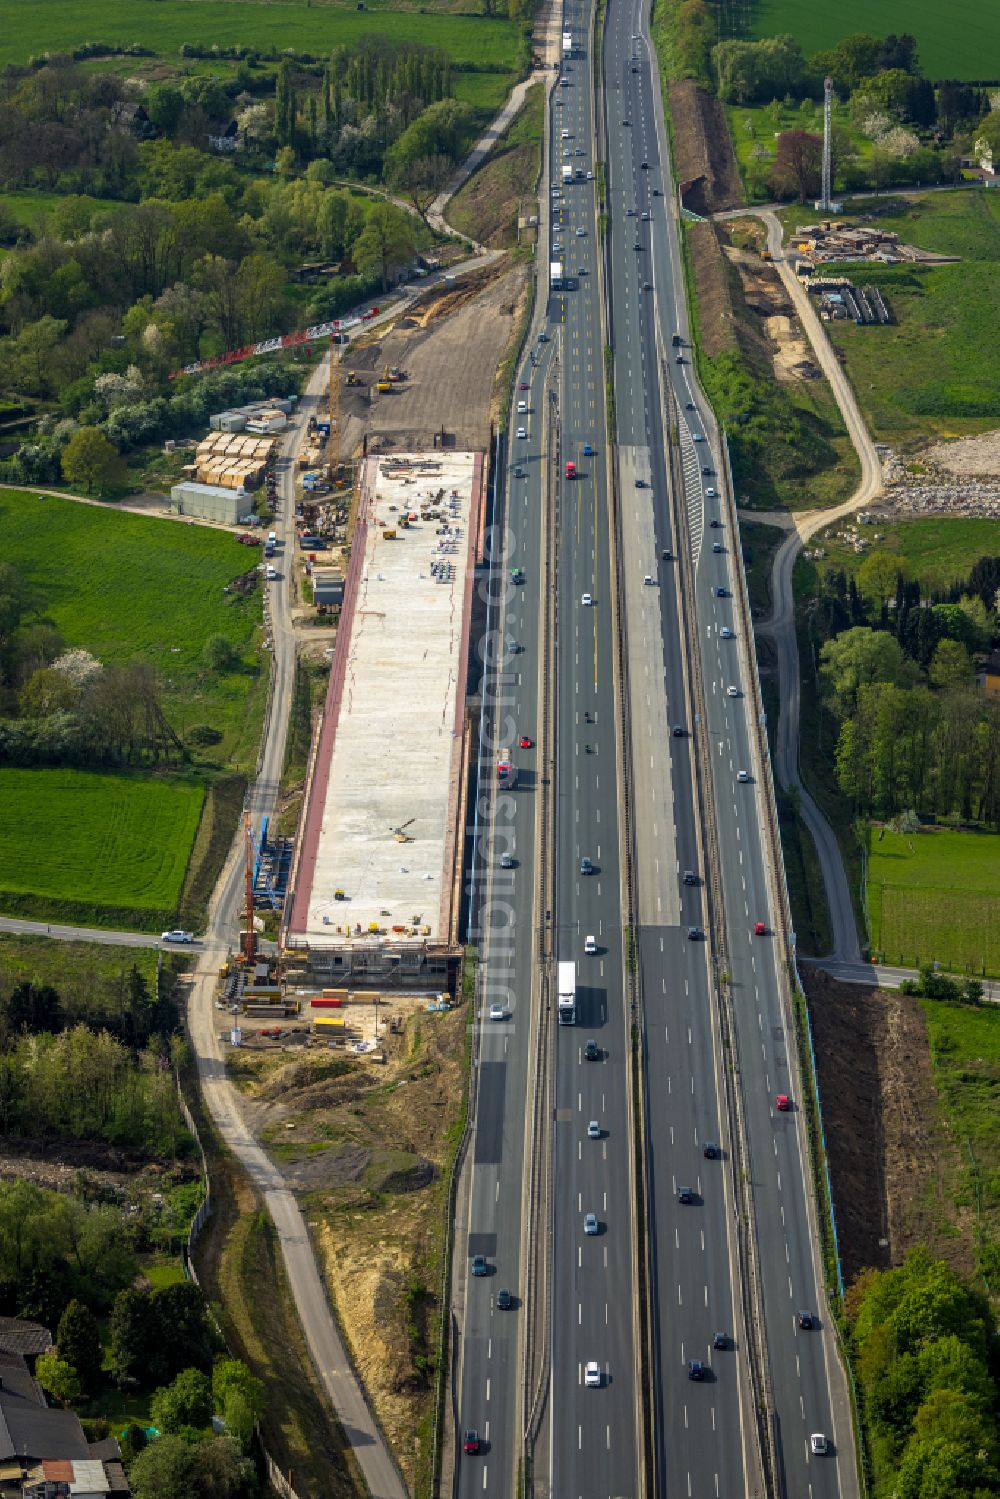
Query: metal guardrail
{"points": [[751, 1295]]}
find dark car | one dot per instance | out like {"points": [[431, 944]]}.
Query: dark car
{"points": [[504, 1299], [805, 1320], [710, 1150], [690, 878], [696, 1369], [645, 166], [677, 731], [479, 1265], [715, 523], [707, 469], [688, 405], [695, 934], [592, 1051], [722, 593], [471, 1442], [667, 554], [719, 1340], [586, 865], [685, 1195]]}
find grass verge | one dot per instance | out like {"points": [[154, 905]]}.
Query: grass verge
{"points": [[803, 874], [486, 207]]}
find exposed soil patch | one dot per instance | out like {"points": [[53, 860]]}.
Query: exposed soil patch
{"points": [[968, 456], [449, 347], [893, 1163], [368, 1146], [703, 152], [58, 1164], [713, 283]]}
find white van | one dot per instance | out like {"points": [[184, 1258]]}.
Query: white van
{"points": [[522, 407], [590, 944], [272, 537]]}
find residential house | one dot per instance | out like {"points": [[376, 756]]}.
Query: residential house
{"points": [[44, 1453]]}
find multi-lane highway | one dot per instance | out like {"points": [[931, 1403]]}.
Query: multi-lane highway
{"points": [[593, 1431], [698, 1424], [704, 1439], [805, 1378]]}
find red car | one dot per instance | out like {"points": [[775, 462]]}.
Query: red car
{"points": [[526, 742], [759, 929], [523, 385], [471, 1443], [783, 1103]]}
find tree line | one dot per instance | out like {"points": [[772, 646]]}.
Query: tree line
{"points": [[896, 670], [922, 1343], [919, 130], [125, 1006]]}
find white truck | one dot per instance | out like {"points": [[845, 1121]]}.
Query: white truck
{"points": [[566, 985], [567, 47], [556, 279], [567, 174]]}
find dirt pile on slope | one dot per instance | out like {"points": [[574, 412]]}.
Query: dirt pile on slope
{"points": [[704, 163], [892, 1159]]}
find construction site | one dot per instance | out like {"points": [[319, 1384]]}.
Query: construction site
{"points": [[374, 887]]}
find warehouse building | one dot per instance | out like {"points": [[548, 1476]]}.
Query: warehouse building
{"points": [[210, 502]]}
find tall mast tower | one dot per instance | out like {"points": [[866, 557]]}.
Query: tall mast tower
{"points": [[826, 203]]}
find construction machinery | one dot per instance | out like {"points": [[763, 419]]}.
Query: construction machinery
{"points": [[401, 835]]}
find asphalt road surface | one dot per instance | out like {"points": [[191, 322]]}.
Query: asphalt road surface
{"points": [[807, 1383]]}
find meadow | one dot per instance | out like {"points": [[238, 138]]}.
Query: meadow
{"points": [[31, 206], [89, 847], [71, 965], [965, 1052], [755, 127], [938, 551], [934, 896], [124, 586], [165, 25], [960, 40], [932, 373]]}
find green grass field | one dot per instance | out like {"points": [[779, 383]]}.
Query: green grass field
{"points": [[933, 373], [70, 965], [934, 896], [164, 25], [31, 207], [961, 40], [965, 1052], [124, 585], [939, 551], [79, 841]]}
